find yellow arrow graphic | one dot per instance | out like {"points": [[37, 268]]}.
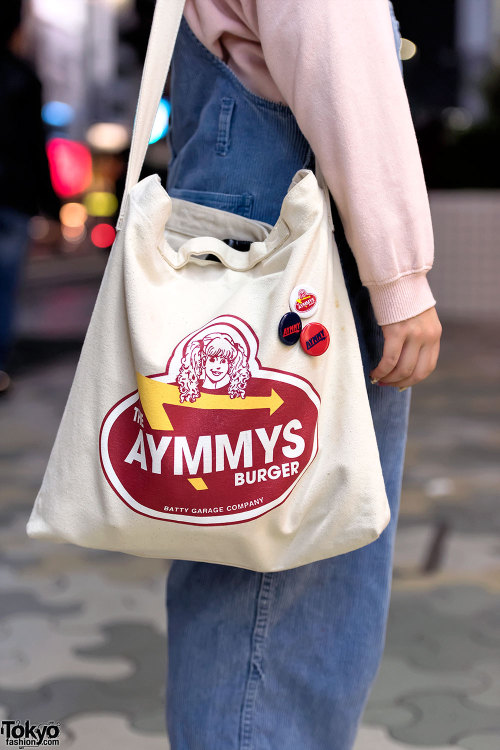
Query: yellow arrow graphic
{"points": [[154, 394]]}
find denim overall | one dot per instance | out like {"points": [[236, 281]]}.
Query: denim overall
{"points": [[262, 661]]}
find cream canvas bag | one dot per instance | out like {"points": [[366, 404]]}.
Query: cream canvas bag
{"points": [[191, 430]]}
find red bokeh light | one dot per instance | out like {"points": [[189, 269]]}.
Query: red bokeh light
{"points": [[103, 235], [70, 166]]}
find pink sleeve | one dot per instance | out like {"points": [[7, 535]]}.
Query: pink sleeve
{"points": [[335, 64]]}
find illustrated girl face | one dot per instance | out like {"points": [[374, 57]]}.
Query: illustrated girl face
{"points": [[216, 368], [217, 361]]}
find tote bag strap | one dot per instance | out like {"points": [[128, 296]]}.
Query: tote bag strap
{"points": [[166, 22]]}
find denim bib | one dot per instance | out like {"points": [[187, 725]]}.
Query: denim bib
{"points": [[221, 134]]}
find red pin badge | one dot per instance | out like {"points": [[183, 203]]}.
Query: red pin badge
{"points": [[314, 339]]}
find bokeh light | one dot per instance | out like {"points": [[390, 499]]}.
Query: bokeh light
{"points": [[38, 228], [160, 126], [110, 137], [99, 203], [103, 235], [73, 235], [408, 49], [70, 166], [73, 215], [121, 4], [457, 118], [57, 114]]}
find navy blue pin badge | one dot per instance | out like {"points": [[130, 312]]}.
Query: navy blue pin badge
{"points": [[289, 328]]}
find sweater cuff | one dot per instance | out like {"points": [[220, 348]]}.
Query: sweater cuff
{"points": [[403, 298]]}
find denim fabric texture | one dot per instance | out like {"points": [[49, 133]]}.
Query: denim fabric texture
{"points": [[13, 248], [261, 661], [397, 33]]}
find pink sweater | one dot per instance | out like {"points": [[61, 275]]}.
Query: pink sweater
{"points": [[334, 63]]}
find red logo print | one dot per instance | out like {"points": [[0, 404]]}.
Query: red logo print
{"points": [[216, 438], [291, 329], [304, 301]]}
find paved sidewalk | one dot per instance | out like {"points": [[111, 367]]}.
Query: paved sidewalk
{"points": [[82, 632]]}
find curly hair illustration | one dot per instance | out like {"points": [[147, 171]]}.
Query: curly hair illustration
{"points": [[213, 362]]}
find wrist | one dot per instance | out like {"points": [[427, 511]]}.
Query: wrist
{"points": [[403, 298]]}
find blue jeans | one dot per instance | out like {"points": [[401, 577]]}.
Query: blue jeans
{"points": [[397, 33], [261, 661], [13, 247]]}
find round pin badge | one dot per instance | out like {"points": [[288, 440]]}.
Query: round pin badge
{"points": [[304, 300], [289, 328], [314, 339]]}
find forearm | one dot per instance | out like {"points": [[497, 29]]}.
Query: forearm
{"points": [[336, 66]]}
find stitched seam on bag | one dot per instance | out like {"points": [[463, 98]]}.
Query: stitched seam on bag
{"points": [[144, 215], [225, 117], [255, 670]]}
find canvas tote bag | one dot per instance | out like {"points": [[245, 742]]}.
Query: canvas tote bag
{"points": [[192, 431]]}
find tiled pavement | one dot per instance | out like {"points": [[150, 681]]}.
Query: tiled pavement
{"points": [[82, 632]]}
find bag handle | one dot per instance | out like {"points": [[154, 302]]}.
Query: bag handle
{"points": [[196, 249], [166, 21]]}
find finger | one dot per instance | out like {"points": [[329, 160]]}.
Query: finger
{"points": [[406, 363], [426, 364], [433, 357], [390, 357]]}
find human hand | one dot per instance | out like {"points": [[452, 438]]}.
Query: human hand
{"points": [[411, 350]]}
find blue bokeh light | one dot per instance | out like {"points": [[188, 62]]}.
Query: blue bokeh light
{"points": [[160, 127], [57, 114]]}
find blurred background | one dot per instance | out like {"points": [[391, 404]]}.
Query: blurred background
{"points": [[82, 632]]}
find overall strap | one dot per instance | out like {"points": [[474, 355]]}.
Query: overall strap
{"points": [[166, 21], [164, 28]]}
